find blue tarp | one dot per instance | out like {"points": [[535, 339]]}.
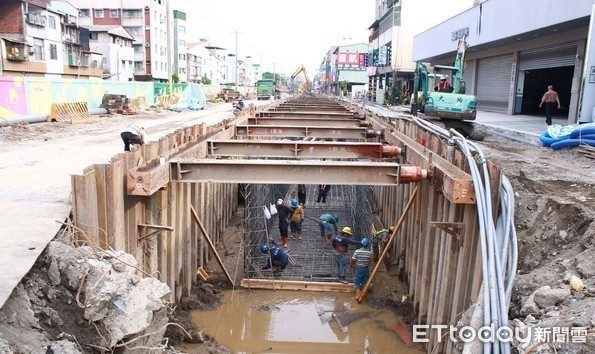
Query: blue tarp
{"points": [[192, 98]]}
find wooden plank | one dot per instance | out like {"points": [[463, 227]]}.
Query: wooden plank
{"points": [[295, 285], [187, 241], [206, 237]]}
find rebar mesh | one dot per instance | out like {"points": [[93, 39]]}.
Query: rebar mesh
{"points": [[311, 258]]}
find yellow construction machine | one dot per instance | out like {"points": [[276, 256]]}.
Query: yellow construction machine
{"points": [[304, 86]]}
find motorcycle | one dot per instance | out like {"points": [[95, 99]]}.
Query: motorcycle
{"points": [[238, 107]]}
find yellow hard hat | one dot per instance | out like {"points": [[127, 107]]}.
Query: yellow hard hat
{"points": [[346, 230], [391, 229]]}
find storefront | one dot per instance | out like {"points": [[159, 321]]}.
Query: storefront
{"points": [[508, 68]]}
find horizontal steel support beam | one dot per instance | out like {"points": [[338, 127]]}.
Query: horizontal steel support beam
{"points": [[300, 149], [288, 114], [301, 131], [293, 172], [454, 183], [311, 122]]}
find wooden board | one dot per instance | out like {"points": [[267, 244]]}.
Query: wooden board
{"points": [[295, 285]]}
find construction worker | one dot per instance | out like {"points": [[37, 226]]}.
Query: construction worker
{"points": [[323, 190], [296, 219], [361, 260], [302, 195], [379, 241], [329, 226], [341, 244], [284, 212], [278, 259], [133, 134]]}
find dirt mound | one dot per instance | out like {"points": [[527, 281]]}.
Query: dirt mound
{"points": [[554, 217]]}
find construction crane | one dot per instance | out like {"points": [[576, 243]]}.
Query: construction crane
{"points": [[306, 86]]}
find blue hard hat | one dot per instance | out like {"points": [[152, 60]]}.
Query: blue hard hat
{"points": [[336, 217], [264, 247], [365, 241], [294, 203]]}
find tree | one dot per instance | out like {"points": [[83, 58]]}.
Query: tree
{"points": [[343, 86], [393, 96], [205, 80], [175, 78]]}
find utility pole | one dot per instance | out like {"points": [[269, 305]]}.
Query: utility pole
{"points": [[236, 80]]}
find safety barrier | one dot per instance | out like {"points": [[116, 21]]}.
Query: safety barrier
{"points": [[139, 103], [167, 100], [76, 112]]}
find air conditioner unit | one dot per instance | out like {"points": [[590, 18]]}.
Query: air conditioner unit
{"points": [[147, 44]]}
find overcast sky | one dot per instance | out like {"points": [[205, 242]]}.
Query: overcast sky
{"points": [[288, 33], [291, 33]]}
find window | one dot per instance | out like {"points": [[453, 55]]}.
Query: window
{"points": [[93, 35], [38, 48], [182, 70], [53, 52], [182, 57], [135, 31], [84, 13], [52, 22], [98, 13], [182, 43], [15, 51], [137, 47], [104, 60], [182, 29], [114, 13], [131, 13]]}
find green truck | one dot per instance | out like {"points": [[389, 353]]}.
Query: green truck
{"points": [[266, 88]]}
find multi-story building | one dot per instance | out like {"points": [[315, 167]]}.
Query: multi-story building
{"points": [[180, 46], [200, 63], [221, 59], [145, 20], [350, 62], [48, 42], [391, 39], [115, 44]]}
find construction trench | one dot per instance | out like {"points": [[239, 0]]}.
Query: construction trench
{"points": [[168, 204]]}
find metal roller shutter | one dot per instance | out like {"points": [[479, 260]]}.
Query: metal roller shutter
{"points": [[493, 83], [548, 57], [468, 71]]}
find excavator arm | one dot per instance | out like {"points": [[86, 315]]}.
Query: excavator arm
{"points": [[301, 69]]}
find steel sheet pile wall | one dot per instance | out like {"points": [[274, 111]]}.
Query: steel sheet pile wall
{"points": [[110, 218], [257, 228], [437, 248]]}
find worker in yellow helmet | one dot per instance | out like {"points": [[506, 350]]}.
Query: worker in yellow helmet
{"points": [[341, 244]]}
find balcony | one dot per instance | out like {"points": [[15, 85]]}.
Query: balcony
{"points": [[38, 19]]}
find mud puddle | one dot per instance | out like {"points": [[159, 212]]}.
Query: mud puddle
{"points": [[262, 321]]}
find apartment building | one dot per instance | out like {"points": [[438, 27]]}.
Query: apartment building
{"points": [[200, 63], [180, 46], [391, 38], [145, 20], [46, 42], [115, 45]]}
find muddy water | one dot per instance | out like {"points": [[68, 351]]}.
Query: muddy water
{"points": [[258, 321]]}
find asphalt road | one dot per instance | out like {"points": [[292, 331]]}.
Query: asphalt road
{"points": [[37, 162]]}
